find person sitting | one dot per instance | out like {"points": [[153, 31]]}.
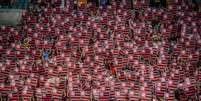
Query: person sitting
{"points": [[183, 62], [131, 34], [156, 38], [46, 55], [106, 64], [26, 43], [175, 37], [92, 41], [112, 69], [127, 39], [82, 2], [141, 58], [157, 26], [82, 58], [79, 49], [128, 67], [92, 97], [66, 96], [131, 24]]}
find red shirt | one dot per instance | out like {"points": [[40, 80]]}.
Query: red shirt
{"points": [[113, 70]]}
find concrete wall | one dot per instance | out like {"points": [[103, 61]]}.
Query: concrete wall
{"points": [[198, 1], [10, 16]]}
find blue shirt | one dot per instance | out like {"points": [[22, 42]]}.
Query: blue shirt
{"points": [[46, 55]]}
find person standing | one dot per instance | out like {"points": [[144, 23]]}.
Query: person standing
{"points": [[132, 4], [97, 2], [103, 2], [75, 6]]}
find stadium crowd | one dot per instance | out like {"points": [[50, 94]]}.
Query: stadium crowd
{"points": [[85, 52]]}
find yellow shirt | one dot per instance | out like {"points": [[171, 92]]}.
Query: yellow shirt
{"points": [[82, 2], [26, 43]]}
